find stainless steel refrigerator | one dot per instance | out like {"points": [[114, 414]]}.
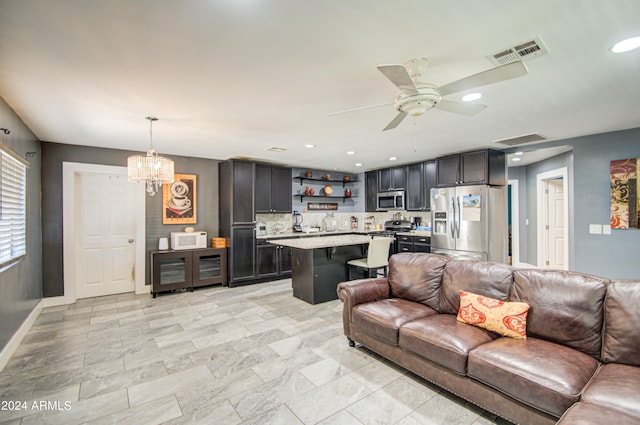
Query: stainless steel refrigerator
{"points": [[469, 222]]}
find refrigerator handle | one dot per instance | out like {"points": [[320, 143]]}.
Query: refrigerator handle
{"points": [[459, 218], [452, 220]]}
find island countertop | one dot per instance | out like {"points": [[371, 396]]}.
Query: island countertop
{"points": [[323, 241]]}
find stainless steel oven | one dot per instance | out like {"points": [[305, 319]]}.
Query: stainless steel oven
{"points": [[391, 201], [391, 227]]}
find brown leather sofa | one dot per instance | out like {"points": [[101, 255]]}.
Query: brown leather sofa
{"points": [[581, 354]]}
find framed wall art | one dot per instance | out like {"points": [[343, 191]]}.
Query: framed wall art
{"points": [[179, 200], [625, 196]]}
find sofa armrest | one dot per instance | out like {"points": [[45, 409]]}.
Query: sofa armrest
{"points": [[360, 291]]}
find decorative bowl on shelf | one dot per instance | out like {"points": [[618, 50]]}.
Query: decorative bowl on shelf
{"points": [[347, 178], [328, 190], [326, 177], [308, 174]]}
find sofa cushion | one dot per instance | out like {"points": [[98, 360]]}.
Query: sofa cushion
{"points": [[544, 375], [621, 324], [489, 279], [590, 414], [383, 318], [616, 386], [566, 307], [506, 318], [443, 340], [417, 277]]}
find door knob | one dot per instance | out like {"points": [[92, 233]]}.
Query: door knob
{"points": [[130, 240]]}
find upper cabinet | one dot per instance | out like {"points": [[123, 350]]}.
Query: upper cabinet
{"points": [[371, 190], [421, 177], [236, 193], [485, 166], [273, 189], [394, 178]]}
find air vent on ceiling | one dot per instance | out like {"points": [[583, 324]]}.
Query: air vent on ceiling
{"points": [[522, 52], [275, 149], [522, 140]]}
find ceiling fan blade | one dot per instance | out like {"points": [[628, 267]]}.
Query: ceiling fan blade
{"points": [[497, 74], [361, 108], [468, 109], [399, 76], [394, 122]]}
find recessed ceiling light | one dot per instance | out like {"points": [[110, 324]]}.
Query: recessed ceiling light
{"points": [[358, 164], [393, 158], [516, 159], [518, 153], [626, 45], [471, 97], [309, 146], [351, 152]]}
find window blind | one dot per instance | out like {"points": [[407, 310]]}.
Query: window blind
{"points": [[13, 229]]}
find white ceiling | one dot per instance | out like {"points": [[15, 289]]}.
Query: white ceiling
{"points": [[230, 78]]}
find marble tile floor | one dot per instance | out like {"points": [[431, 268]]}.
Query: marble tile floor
{"points": [[245, 355]]}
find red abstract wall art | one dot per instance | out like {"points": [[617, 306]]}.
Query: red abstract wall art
{"points": [[625, 199]]}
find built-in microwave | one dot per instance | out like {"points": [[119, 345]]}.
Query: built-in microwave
{"points": [[184, 240], [391, 201]]}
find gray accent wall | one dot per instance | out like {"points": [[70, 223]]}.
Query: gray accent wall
{"points": [[53, 156], [21, 283], [612, 256]]}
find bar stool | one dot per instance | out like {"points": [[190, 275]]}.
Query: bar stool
{"points": [[377, 257]]}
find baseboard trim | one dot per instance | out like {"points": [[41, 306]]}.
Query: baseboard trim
{"points": [[16, 339], [55, 301]]}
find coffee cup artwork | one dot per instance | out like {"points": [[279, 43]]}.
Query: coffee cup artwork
{"points": [[178, 200]]}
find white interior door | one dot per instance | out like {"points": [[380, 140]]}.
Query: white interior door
{"points": [[105, 235], [556, 223], [553, 220]]}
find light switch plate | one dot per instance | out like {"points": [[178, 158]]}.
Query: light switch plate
{"points": [[606, 229], [595, 229]]}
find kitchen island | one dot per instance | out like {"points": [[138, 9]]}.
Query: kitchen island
{"points": [[318, 264]]}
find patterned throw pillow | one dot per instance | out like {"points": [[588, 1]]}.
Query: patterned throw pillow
{"points": [[505, 318]]}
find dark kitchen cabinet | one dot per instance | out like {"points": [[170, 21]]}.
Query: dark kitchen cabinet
{"points": [[237, 217], [273, 260], [413, 243], [187, 269], [371, 191], [237, 193], [485, 166], [421, 177], [242, 255], [272, 189], [394, 178]]}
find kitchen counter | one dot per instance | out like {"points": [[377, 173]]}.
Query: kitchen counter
{"points": [[324, 241], [426, 233], [286, 235]]}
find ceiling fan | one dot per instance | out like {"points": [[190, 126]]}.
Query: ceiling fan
{"points": [[417, 96]]}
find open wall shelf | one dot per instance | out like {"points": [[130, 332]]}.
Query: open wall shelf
{"points": [[302, 179], [324, 197]]}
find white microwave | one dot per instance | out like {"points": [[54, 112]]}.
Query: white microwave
{"points": [[390, 201], [184, 240]]}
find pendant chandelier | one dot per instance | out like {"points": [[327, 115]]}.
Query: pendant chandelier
{"points": [[152, 169]]}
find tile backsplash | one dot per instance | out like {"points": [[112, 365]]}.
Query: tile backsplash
{"points": [[283, 223]]}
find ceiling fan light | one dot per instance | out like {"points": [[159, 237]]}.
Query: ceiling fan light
{"points": [[626, 45], [417, 110]]}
